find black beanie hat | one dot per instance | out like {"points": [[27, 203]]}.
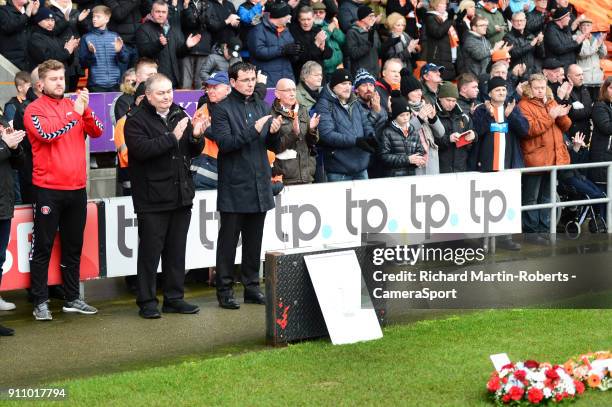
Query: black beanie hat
{"points": [[399, 105], [363, 12], [496, 82], [409, 83], [42, 14], [339, 76]]}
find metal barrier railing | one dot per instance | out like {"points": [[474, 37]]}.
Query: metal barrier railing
{"points": [[554, 205]]}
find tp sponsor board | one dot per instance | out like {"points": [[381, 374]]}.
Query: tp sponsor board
{"points": [[16, 274], [317, 215]]}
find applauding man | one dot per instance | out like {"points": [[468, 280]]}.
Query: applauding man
{"points": [[243, 130], [56, 128], [161, 142]]}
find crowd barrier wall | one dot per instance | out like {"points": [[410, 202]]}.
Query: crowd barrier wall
{"points": [[312, 215]]}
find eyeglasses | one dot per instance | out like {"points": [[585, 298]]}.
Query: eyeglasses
{"points": [[292, 90], [319, 11], [482, 25]]}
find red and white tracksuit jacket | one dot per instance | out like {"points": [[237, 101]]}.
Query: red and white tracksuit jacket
{"points": [[57, 134]]}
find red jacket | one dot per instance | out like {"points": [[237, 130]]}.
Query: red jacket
{"points": [[57, 134]]}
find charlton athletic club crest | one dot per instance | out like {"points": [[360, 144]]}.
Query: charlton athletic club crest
{"points": [[45, 210]]}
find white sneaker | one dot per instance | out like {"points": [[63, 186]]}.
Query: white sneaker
{"points": [[6, 306]]}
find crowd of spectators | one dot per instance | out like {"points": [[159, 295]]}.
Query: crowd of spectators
{"points": [[363, 88]]}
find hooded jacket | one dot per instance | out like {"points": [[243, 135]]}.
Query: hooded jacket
{"points": [[544, 144]]}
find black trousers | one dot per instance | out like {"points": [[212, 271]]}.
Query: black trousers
{"points": [[162, 234], [52, 209], [250, 225]]}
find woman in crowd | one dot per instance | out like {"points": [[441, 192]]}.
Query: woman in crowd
{"points": [[601, 140]]}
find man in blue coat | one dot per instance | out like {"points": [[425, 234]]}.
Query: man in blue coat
{"points": [[244, 131], [271, 44], [345, 132]]}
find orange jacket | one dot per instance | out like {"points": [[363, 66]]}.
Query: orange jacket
{"points": [[544, 143], [119, 139]]}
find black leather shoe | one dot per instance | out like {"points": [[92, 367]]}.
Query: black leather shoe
{"points": [[228, 302], [4, 331], [149, 313], [509, 244], [254, 297], [180, 307]]}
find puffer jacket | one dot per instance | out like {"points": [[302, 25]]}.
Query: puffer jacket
{"points": [[601, 141], [126, 16], [475, 53], [451, 158], [104, 64], [588, 59], [265, 47], [216, 62], [438, 49], [339, 128], [494, 18], [362, 50], [10, 159], [395, 148], [536, 21], [14, 35], [560, 44], [335, 40], [301, 169], [544, 143]]}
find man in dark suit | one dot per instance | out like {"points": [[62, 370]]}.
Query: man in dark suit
{"points": [[161, 142], [243, 130]]}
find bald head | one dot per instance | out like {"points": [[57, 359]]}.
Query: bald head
{"points": [[285, 92], [36, 82], [575, 75]]}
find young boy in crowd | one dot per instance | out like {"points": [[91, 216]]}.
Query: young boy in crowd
{"points": [[102, 51]]}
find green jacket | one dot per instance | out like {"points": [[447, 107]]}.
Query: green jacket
{"points": [[335, 40], [494, 19]]}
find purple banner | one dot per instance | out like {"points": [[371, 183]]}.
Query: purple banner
{"points": [[101, 104]]}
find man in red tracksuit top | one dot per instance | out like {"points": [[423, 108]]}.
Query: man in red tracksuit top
{"points": [[57, 128]]}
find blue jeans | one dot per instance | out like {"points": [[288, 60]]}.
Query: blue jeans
{"points": [[335, 176], [536, 190], [5, 232], [132, 58]]}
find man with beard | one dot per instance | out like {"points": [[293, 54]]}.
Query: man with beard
{"points": [[57, 128]]}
